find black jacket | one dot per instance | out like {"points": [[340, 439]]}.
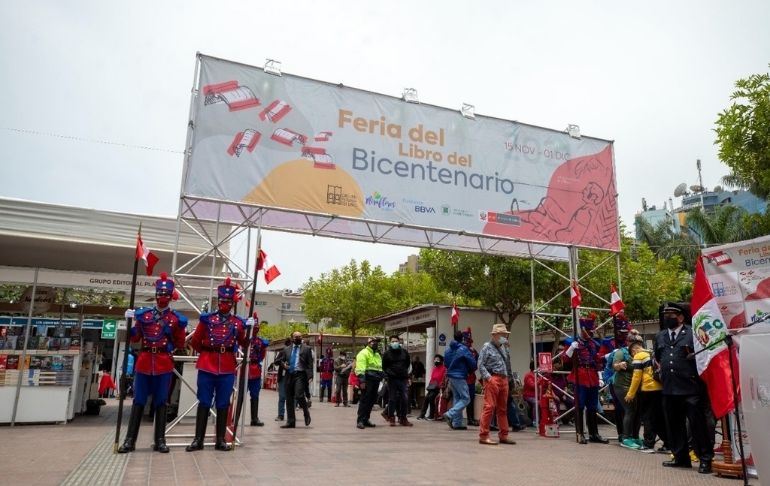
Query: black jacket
{"points": [[395, 363], [305, 357], [678, 370]]}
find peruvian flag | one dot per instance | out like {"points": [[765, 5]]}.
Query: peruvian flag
{"points": [[263, 263], [455, 315], [143, 253], [616, 303], [574, 295], [708, 328]]}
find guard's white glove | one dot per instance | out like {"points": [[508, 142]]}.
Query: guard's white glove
{"points": [[572, 348], [129, 314], [250, 321]]}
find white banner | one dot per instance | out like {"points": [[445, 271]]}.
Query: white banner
{"points": [[299, 144], [739, 274]]}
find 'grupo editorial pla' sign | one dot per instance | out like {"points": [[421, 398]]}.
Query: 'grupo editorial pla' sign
{"points": [[300, 144]]}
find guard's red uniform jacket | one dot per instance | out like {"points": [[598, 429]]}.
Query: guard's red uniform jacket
{"points": [[257, 352], [588, 362], [160, 332], [216, 338]]}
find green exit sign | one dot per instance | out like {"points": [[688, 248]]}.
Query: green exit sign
{"points": [[109, 327]]}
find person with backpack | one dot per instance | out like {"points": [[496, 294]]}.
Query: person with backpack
{"points": [[620, 328], [650, 395], [621, 362]]}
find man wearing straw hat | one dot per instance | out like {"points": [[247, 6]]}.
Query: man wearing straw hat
{"points": [[495, 373]]}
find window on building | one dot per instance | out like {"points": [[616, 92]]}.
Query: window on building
{"points": [[285, 305]]}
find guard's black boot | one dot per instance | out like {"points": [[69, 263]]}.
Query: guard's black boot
{"points": [[581, 438], [201, 419], [133, 429], [220, 443], [593, 428], [255, 413], [160, 430]]}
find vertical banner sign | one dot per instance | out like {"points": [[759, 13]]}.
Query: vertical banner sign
{"points": [[315, 147], [739, 274]]}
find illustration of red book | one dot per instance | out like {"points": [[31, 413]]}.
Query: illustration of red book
{"points": [[322, 136], [275, 111], [247, 139], [288, 137], [719, 257], [236, 97]]}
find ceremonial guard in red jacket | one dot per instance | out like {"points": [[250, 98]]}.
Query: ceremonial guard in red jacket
{"points": [[587, 365], [257, 351], [217, 337], [160, 331]]}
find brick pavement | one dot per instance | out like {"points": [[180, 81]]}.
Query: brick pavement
{"points": [[332, 451]]}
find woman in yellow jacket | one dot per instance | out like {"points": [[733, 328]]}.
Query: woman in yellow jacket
{"points": [[650, 395]]}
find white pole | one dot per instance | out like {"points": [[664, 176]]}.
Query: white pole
{"points": [[23, 359]]}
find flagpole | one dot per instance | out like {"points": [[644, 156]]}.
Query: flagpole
{"points": [[575, 361], [245, 360], [129, 323]]}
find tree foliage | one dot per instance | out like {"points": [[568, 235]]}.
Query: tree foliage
{"points": [[723, 225], [503, 283], [497, 282], [354, 293], [647, 279], [743, 135], [665, 243]]}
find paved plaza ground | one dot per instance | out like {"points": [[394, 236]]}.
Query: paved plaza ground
{"points": [[332, 451]]}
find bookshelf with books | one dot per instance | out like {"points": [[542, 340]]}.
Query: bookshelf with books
{"points": [[48, 379]]}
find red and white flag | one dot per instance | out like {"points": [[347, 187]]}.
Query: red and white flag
{"points": [[455, 315], [263, 263], [144, 254], [574, 295], [711, 353], [616, 303]]}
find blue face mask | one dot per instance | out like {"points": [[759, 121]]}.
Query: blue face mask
{"points": [[503, 340], [395, 345]]}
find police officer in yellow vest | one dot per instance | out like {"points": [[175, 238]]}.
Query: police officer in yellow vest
{"points": [[369, 372]]}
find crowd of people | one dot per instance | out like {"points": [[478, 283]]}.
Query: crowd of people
{"points": [[657, 390]]}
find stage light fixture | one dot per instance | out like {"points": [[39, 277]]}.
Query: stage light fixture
{"points": [[573, 131], [410, 95], [468, 111], [273, 67]]}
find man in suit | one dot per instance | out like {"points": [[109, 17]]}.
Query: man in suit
{"points": [[684, 398], [297, 360]]}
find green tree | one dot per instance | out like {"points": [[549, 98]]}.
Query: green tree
{"points": [[647, 279], [281, 330], [743, 135], [348, 295], [500, 283], [723, 225], [665, 243]]}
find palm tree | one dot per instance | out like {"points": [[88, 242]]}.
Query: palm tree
{"points": [[723, 225], [665, 243]]}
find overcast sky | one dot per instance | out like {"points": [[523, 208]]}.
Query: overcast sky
{"points": [[652, 79]]}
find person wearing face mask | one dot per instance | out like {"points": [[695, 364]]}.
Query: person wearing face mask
{"points": [[437, 376], [217, 337], [460, 363], [369, 371], [160, 330], [494, 369], [297, 361], [684, 395], [585, 372], [395, 364]]}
